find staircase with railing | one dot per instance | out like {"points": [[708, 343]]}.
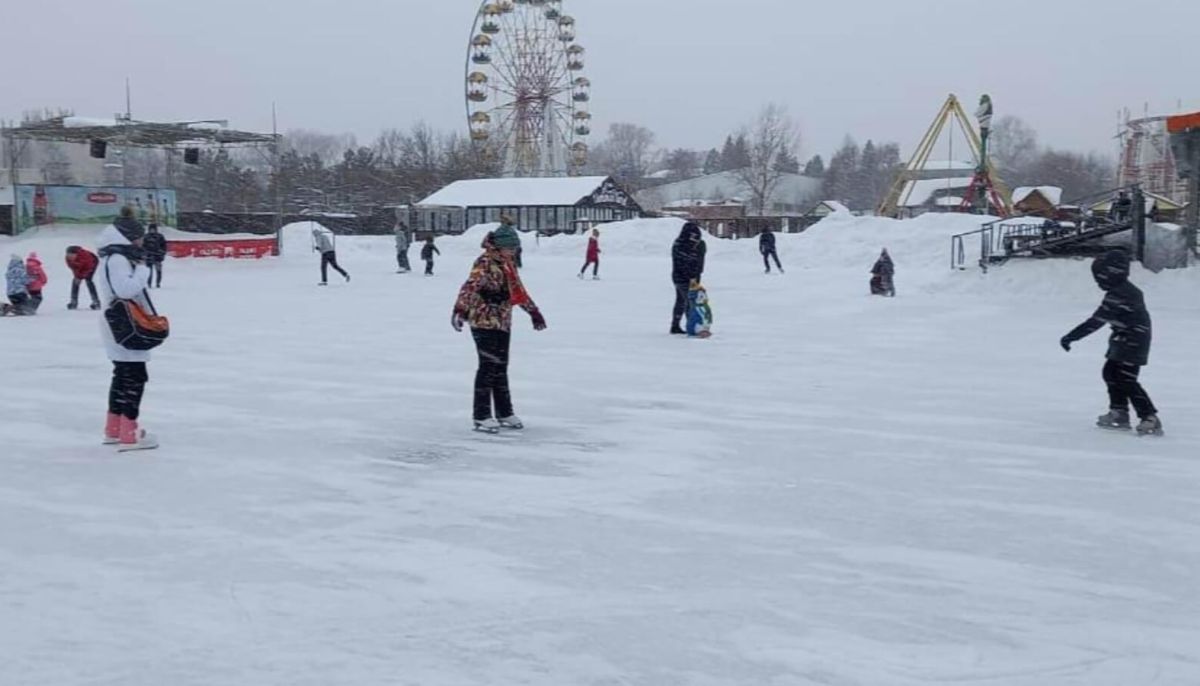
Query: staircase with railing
{"points": [[1034, 236]]}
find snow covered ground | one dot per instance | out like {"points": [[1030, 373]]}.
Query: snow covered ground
{"points": [[834, 490]]}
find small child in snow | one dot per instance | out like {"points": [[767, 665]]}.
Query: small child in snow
{"points": [[37, 281], [699, 316], [16, 279], [427, 252]]}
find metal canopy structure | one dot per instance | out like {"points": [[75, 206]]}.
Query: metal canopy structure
{"points": [[917, 167], [123, 131], [131, 133]]}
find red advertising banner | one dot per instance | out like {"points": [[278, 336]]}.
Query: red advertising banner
{"points": [[236, 249]]}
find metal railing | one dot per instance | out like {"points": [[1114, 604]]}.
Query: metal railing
{"points": [[999, 239]]}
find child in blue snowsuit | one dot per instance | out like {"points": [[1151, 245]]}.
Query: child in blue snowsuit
{"points": [[699, 313], [16, 279]]}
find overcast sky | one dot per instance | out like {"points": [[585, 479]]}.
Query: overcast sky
{"points": [[691, 71]]}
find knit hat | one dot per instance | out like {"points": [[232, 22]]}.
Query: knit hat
{"points": [[506, 238], [1111, 269], [131, 229]]}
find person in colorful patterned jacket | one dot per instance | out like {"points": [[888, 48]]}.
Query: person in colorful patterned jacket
{"points": [[485, 303]]}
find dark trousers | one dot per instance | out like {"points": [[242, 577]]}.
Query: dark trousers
{"points": [[128, 387], [1124, 388], [402, 260], [681, 294], [491, 380], [19, 306], [91, 290], [429, 267], [767, 255], [329, 259], [594, 264], [34, 302], [155, 270]]}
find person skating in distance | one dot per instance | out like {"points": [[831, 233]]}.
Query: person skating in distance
{"points": [[593, 256], [323, 243], [766, 246], [427, 252], [155, 245], [82, 264]]}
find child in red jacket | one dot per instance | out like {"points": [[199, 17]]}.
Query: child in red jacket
{"points": [[37, 281], [82, 264], [593, 256]]}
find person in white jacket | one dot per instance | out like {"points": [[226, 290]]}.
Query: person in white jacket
{"points": [[123, 275], [323, 243], [402, 245]]}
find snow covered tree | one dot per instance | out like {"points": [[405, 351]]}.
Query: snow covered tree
{"points": [[735, 154], [712, 162], [788, 163], [682, 163], [815, 167], [841, 175]]}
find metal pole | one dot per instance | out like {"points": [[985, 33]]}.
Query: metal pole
{"points": [[1139, 224], [275, 165], [10, 145], [1193, 218]]}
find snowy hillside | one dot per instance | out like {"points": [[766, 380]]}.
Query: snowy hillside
{"points": [[834, 489]]}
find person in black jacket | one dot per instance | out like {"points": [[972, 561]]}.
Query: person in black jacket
{"points": [[1124, 309], [766, 246], [687, 263], [155, 246], [883, 276], [427, 252]]}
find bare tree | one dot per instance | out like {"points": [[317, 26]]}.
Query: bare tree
{"points": [[1014, 148], [328, 147], [772, 136], [626, 154]]}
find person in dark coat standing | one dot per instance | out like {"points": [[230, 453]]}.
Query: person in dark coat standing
{"points": [[687, 263], [82, 264], [155, 246], [766, 246], [1124, 309], [883, 276]]}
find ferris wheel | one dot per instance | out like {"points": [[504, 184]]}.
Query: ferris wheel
{"points": [[527, 97]]}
